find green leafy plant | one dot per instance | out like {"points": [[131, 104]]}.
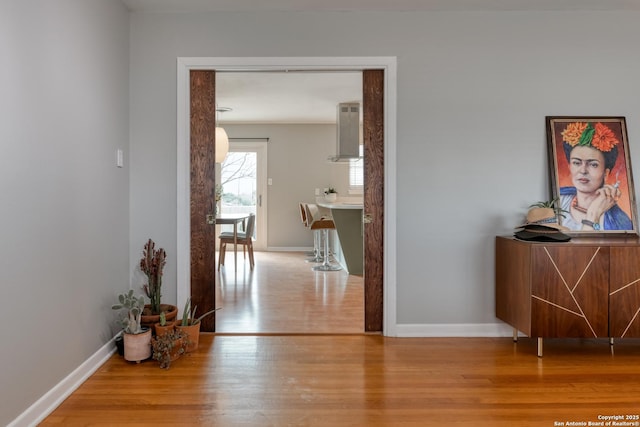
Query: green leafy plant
{"points": [[550, 204], [152, 265], [189, 315], [330, 190], [163, 319], [169, 346], [133, 306]]}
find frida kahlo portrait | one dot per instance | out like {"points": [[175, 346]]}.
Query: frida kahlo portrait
{"points": [[591, 174]]}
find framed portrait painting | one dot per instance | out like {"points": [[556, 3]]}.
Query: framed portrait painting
{"points": [[590, 171]]}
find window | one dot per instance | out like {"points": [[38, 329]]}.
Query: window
{"points": [[356, 174]]}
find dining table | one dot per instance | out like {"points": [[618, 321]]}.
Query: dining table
{"points": [[233, 219]]}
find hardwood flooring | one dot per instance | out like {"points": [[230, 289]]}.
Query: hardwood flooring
{"points": [[365, 380], [323, 371], [284, 295]]}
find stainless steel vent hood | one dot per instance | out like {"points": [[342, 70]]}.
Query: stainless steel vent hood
{"points": [[348, 132]]}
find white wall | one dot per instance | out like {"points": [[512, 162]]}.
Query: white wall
{"points": [[64, 214], [473, 92]]}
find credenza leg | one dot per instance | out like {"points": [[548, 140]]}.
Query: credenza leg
{"points": [[515, 335], [539, 346]]}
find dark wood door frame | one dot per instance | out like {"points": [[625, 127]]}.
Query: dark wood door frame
{"points": [[202, 148], [373, 140]]}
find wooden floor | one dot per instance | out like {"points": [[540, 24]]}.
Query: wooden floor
{"points": [[365, 380], [342, 377], [283, 294]]}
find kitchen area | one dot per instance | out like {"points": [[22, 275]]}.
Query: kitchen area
{"points": [[346, 241], [306, 129]]}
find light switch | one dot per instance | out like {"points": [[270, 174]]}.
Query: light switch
{"points": [[269, 181], [119, 158]]}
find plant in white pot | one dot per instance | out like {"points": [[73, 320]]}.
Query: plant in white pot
{"points": [[137, 340], [330, 194]]}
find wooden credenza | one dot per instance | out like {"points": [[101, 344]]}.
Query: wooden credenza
{"points": [[587, 287]]}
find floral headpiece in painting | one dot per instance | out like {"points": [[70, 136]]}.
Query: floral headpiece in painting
{"points": [[594, 135]]}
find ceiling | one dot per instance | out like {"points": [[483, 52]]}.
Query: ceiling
{"points": [[285, 97], [312, 97]]}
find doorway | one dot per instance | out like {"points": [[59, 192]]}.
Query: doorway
{"points": [[386, 268]]}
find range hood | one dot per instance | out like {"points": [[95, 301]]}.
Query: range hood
{"points": [[348, 132]]}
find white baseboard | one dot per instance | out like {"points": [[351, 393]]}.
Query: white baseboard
{"points": [[54, 397], [454, 330]]}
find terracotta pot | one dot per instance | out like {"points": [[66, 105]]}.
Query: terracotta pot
{"points": [[161, 351], [137, 347], [193, 331], [148, 319], [175, 351], [162, 330]]}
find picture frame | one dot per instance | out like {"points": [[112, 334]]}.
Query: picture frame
{"points": [[590, 175]]}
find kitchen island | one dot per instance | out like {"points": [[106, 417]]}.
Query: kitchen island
{"points": [[347, 216]]}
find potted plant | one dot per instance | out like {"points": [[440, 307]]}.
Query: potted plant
{"points": [[550, 204], [137, 340], [163, 326], [191, 325], [152, 265], [169, 346], [330, 194]]}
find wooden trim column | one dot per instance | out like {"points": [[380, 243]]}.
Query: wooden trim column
{"points": [[373, 139], [203, 113]]}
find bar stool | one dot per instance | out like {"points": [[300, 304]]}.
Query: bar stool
{"points": [[305, 222], [322, 224], [310, 212]]}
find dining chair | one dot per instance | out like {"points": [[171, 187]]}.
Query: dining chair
{"points": [[243, 238]]}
